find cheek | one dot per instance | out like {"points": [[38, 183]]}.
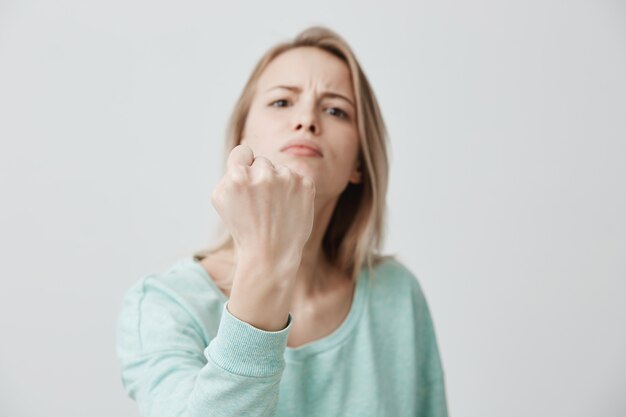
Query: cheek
{"points": [[346, 155], [260, 123], [350, 145], [255, 129]]}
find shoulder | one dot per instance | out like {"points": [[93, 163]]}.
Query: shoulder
{"points": [[176, 298], [184, 281], [399, 311], [392, 278], [396, 295]]}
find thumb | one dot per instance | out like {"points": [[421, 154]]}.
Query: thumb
{"points": [[240, 155]]}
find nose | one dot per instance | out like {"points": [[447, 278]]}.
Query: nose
{"points": [[306, 120]]}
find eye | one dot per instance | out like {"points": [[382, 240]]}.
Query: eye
{"points": [[279, 103], [334, 111]]}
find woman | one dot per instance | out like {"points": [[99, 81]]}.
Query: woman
{"points": [[293, 313]]}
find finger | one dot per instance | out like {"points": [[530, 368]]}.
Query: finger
{"points": [[282, 170], [308, 182], [240, 155], [262, 162]]}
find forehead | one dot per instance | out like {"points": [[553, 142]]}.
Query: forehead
{"points": [[307, 67]]}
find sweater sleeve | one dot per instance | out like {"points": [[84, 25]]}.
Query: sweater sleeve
{"points": [[170, 369], [431, 393]]}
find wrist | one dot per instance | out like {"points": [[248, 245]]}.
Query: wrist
{"points": [[261, 295], [256, 260]]}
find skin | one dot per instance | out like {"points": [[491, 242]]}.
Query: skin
{"points": [[277, 204]]}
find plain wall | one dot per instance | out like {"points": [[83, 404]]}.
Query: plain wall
{"points": [[507, 191]]}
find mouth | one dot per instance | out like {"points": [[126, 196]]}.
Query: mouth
{"points": [[300, 150], [302, 147]]}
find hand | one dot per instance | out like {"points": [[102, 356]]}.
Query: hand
{"points": [[267, 209]]}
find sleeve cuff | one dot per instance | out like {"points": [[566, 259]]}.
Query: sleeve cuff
{"points": [[242, 349]]}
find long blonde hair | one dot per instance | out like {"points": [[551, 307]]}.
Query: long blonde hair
{"points": [[355, 232]]}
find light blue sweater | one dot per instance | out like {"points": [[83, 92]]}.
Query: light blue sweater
{"points": [[183, 354]]}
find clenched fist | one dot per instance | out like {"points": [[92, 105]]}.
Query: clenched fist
{"points": [[267, 209]]}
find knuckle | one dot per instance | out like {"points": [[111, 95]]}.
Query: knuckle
{"points": [[263, 161], [263, 177], [308, 183], [284, 172]]}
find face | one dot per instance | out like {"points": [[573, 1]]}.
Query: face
{"points": [[303, 115]]}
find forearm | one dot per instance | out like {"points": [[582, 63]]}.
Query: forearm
{"points": [[262, 291], [170, 371]]}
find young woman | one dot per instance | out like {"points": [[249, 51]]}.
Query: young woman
{"points": [[293, 312]]}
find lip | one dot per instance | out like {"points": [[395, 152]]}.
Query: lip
{"points": [[302, 147]]}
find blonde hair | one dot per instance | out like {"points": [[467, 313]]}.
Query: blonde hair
{"points": [[355, 232]]}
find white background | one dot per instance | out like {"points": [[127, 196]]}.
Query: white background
{"points": [[507, 199]]}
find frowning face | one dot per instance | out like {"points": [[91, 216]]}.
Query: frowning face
{"points": [[303, 115]]}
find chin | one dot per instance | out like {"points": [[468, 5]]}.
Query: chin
{"points": [[302, 168], [301, 165]]}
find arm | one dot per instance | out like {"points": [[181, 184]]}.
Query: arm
{"points": [[268, 211], [170, 371], [432, 394]]}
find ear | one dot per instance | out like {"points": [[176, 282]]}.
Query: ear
{"points": [[356, 176]]}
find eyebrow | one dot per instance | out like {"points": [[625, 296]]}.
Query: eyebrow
{"points": [[324, 94]]}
